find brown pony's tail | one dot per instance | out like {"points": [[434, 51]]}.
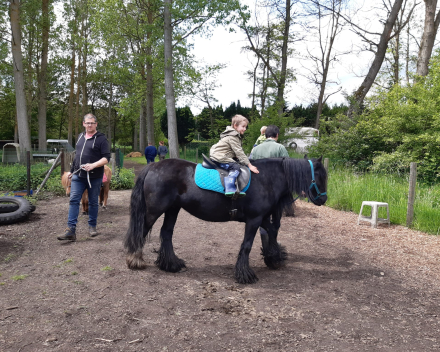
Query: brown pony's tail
{"points": [[136, 233]]}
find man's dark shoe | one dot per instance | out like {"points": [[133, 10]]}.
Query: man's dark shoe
{"points": [[92, 231], [69, 235]]}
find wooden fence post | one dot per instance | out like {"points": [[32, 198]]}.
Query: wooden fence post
{"points": [[326, 164], [112, 162], [411, 194], [63, 158], [28, 167]]}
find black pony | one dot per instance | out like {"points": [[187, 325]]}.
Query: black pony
{"points": [[168, 186]]}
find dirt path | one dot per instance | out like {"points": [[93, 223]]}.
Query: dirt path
{"points": [[344, 287]]}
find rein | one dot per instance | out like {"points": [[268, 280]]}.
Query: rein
{"points": [[313, 184]]}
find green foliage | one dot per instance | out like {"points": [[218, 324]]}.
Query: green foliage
{"points": [[308, 113], [14, 178], [19, 277], [185, 124], [219, 124], [236, 109], [124, 179]]}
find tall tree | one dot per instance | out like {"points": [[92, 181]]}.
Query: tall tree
{"points": [[169, 82], [432, 20], [360, 94], [186, 18], [274, 48], [42, 101], [20, 95], [328, 13]]}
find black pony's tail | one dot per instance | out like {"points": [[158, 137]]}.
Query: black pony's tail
{"points": [[136, 233]]}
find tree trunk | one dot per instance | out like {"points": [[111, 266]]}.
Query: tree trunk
{"points": [[150, 95], [396, 64], [282, 82], [109, 129], [142, 126], [169, 84], [20, 97], [30, 79], [428, 37], [84, 73], [362, 91], [72, 88], [254, 83], [16, 129], [78, 91], [42, 102], [325, 58], [135, 137], [407, 55]]}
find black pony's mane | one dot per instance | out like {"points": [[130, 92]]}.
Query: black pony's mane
{"points": [[298, 175]]}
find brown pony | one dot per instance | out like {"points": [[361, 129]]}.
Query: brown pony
{"points": [[103, 195]]}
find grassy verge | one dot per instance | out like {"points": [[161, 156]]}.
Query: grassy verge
{"points": [[14, 178], [347, 190]]}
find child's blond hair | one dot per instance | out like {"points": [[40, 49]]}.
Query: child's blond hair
{"points": [[238, 119], [263, 129]]}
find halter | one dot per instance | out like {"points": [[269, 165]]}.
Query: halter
{"points": [[313, 184]]}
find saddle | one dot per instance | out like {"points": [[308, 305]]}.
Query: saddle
{"points": [[242, 180]]}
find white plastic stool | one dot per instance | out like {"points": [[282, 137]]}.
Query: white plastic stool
{"points": [[374, 219]]}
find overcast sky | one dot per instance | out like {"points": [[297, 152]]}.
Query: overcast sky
{"points": [[225, 47]]}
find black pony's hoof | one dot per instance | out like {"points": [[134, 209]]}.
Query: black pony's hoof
{"points": [[172, 264], [246, 276], [85, 213], [274, 257]]}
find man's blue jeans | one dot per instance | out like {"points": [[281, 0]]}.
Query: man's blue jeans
{"points": [[79, 184]]}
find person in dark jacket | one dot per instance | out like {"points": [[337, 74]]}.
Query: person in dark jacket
{"points": [[162, 151], [150, 153], [92, 153]]}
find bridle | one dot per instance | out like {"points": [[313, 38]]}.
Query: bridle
{"points": [[313, 185]]}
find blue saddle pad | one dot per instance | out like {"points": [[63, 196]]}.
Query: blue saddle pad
{"points": [[210, 179]]}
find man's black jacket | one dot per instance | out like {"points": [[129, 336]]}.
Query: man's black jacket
{"points": [[89, 151]]}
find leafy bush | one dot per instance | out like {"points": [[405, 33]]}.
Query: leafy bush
{"points": [[14, 178], [123, 179]]}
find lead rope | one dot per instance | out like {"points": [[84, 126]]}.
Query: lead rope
{"points": [[88, 176]]}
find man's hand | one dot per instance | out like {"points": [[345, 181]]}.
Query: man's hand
{"points": [[253, 169], [69, 176], [88, 167]]}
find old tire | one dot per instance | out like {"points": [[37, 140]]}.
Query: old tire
{"points": [[22, 212], [293, 145], [8, 208]]}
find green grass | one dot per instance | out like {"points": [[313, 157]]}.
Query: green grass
{"points": [[107, 268], [347, 190], [19, 277], [9, 257]]}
